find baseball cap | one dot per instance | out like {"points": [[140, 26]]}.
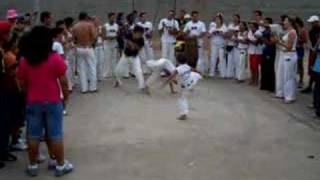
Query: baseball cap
{"points": [[313, 18]]}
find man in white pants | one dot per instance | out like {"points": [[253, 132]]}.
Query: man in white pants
{"points": [[169, 28], [85, 34], [197, 29], [110, 34], [157, 67], [147, 51], [130, 58]]}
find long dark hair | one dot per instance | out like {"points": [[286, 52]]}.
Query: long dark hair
{"points": [[36, 45]]}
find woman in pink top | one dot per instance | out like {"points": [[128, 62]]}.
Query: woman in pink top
{"points": [[41, 73]]}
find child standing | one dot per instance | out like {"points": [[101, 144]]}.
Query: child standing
{"points": [[57, 46], [187, 79]]}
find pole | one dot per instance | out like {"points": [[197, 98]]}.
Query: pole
{"points": [[175, 5], [133, 5], [36, 11]]}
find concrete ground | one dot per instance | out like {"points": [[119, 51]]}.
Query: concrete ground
{"points": [[234, 132]]}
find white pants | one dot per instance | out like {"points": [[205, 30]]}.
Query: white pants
{"points": [[130, 62], [87, 67], [231, 65], [183, 103], [218, 52], [241, 64], [157, 66], [100, 56], [201, 65], [286, 84], [146, 54], [111, 58], [168, 51], [70, 61]]}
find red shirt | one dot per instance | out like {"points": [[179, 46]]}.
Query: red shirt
{"points": [[42, 80], [5, 28]]}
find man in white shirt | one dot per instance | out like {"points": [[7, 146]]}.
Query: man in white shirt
{"points": [[169, 28], [197, 29], [110, 34], [147, 51]]}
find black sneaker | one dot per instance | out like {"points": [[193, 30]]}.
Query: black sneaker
{"points": [[183, 117]]}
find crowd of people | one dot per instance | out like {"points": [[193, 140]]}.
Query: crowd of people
{"points": [[42, 63]]}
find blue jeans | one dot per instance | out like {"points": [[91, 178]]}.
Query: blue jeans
{"points": [[48, 116]]}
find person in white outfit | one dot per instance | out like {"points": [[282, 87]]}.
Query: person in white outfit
{"points": [[147, 50], [70, 53], [286, 82], [169, 27], [217, 42], [130, 58], [197, 29], [157, 67], [242, 53], [110, 35], [99, 49], [85, 34], [187, 79], [232, 31]]}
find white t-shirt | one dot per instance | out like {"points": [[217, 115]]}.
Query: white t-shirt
{"points": [[148, 28], [242, 36], [184, 74], [253, 48], [58, 48], [232, 28], [166, 25], [195, 29], [217, 38], [99, 38], [211, 25], [111, 30]]}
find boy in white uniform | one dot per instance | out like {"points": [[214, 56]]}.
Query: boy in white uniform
{"points": [[187, 79], [147, 51], [111, 45], [197, 29], [169, 28]]}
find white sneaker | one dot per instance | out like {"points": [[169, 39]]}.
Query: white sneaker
{"points": [[41, 158], [20, 146], [63, 170], [33, 170]]}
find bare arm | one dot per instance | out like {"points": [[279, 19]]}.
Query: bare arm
{"points": [[64, 86], [288, 45]]}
